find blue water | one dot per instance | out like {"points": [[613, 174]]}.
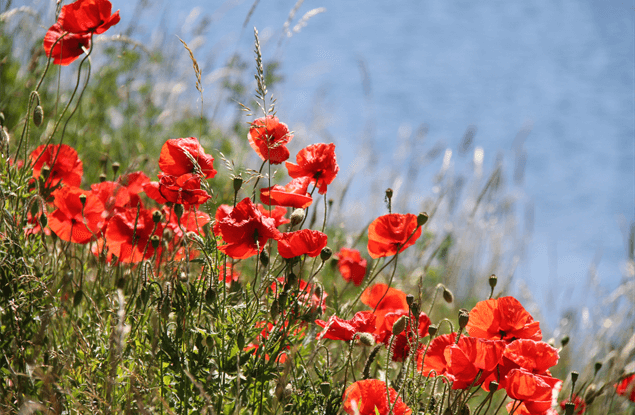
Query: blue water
{"points": [[564, 67]]}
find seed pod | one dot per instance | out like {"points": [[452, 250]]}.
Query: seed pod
{"points": [[157, 216], [409, 299], [102, 177], [569, 407], [238, 183], [493, 279], [274, 311], [422, 218], [464, 317], [155, 241], [82, 199], [326, 253], [38, 116], [115, 167], [432, 330], [325, 388]]}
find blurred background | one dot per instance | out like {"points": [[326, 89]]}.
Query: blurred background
{"points": [[442, 102]]}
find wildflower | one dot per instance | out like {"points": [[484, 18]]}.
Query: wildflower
{"points": [[368, 397], [62, 161], [184, 189], [268, 137], [305, 241], [128, 234], [73, 220], [626, 387], [245, 230], [68, 49], [390, 234], [124, 193], [339, 329], [502, 318], [534, 391], [181, 155], [294, 194], [317, 162], [277, 213], [382, 297], [88, 16], [351, 265]]}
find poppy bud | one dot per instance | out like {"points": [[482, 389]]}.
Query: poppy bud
{"points": [[318, 290], [447, 295], [366, 339], [598, 366], [77, 298], [325, 387], [564, 341], [210, 296], [178, 210], [399, 326], [115, 168], [82, 199], [44, 173], [102, 177], [238, 183], [389, 193], [569, 407], [422, 218], [297, 217], [464, 317], [432, 330], [35, 208], [589, 394], [275, 309], [292, 279], [38, 116], [264, 258], [493, 279], [43, 220], [156, 216], [409, 299], [282, 301], [326, 253]]}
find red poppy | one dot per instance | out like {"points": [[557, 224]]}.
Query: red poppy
{"points": [[67, 169], [69, 48], [368, 397], [626, 387], [339, 329], [392, 233], [185, 189], [351, 265], [228, 274], [128, 234], [88, 16], [534, 391], [72, 221], [317, 162], [305, 241], [268, 137], [502, 318], [278, 213], [245, 230], [580, 405], [179, 156], [382, 297], [294, 194], [123, 193]]}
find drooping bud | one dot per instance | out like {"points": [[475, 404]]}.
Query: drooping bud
{"points": [[178, 210], [264, 258], [35, 208], [43, 220], [366, 339], [292, 279], [38, 116], [422, 218], [399, 326], [564, 341], [240, 340], [589, 394], [326, 253], [447, 295], [318, 290], [297, 217], [274, 310]]}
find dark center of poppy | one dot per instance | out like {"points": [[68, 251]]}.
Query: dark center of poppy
{"points": [[502, 333]]}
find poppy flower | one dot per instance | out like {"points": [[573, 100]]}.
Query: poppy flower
{"points": [[294, 194], [626, 387], [245, 230], [339, 329], [67, 167], [534, 391], [128, 234], [317, 162], [351, 265], [69, 48], [382, 297], [184, 189], [268, 137], [368, 397], [392, 233], [73, 221], [88, 16], [305, 241], [278, 213], [502, 318], [179, 156], [124, 193]]}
